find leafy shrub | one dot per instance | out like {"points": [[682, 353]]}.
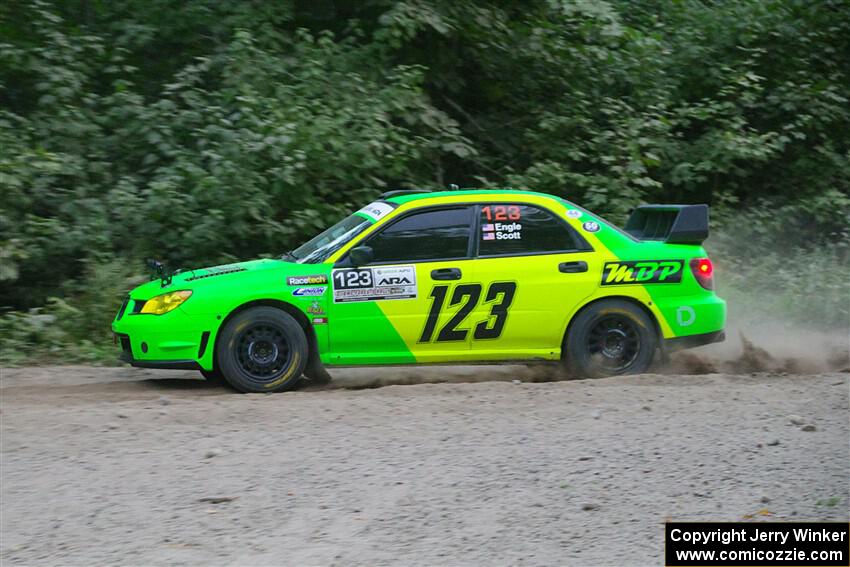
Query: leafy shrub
{"points": [[73, 328]]}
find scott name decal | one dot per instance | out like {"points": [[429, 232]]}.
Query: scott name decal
{"points": [[642, 272]]}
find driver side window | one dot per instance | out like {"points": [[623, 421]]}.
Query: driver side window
{"points": [[441, 234]]}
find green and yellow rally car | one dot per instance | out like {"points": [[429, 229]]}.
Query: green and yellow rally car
{"points": [[421, 277]]}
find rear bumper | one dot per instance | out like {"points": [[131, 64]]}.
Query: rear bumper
{"points": [[692, 341]]}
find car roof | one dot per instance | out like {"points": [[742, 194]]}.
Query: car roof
{"points": [[402, 198]]}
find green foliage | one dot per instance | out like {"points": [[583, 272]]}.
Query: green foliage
{"points": [[72, 328], [200, 132], [242, 151]]}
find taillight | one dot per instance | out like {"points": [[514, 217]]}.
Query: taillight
{"points": [[703, 271]]}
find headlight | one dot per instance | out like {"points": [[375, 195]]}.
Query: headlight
{"points": [[165, 302]]}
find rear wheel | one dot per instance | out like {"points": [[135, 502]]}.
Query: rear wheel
{"points": [[262, 349], [608, 338]]}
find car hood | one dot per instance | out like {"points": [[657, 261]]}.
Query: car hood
{"points": [[191, 279]]}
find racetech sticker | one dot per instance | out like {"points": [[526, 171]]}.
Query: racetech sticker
{"points": [[317, 279], [374, 284]]}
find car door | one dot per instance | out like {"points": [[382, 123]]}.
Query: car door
{"points": [[383, 312], [534, 270]]}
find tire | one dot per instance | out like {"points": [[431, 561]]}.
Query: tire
{"points": [[611, 337], [262, 350]]}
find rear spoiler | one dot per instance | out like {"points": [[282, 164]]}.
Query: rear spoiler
{"points": [[674, 224]]}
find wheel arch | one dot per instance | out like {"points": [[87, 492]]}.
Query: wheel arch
{"points": [[297, 314], [656, 326]]}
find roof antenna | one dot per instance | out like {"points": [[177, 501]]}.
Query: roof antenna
{"points": [[453, 187]]}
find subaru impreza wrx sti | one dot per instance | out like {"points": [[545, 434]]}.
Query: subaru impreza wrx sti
{"points": [[421, 277]]}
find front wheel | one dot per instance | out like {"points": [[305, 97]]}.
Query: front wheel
{"points": [[608, 338], [262, 349]]}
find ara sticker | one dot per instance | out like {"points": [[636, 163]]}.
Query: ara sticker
{"points": [[320, 320], [574, 213], [309, 291], [374, 284], [591, 226], [317, 279], [643, 272]]}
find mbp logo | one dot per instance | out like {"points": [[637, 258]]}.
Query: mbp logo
{"points": [[642, 272]]}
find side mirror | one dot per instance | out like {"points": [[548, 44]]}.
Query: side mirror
{"points": [[360, 255]]}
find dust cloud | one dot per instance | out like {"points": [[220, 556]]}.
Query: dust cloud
{"points": [[775, 347], [749, 348]]}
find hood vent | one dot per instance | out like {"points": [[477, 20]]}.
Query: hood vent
{"points": [[217, 272]]}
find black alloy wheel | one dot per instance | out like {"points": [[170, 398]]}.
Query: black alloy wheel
{"points": [[613, 342], [262, 349], [610, 337]]}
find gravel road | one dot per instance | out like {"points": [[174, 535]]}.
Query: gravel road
{"points": [[126, 466]]}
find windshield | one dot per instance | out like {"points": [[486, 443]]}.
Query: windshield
{"points": [[319, 248]]}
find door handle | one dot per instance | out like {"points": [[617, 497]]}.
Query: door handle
{"points": [[572, 267], [445, 274]]}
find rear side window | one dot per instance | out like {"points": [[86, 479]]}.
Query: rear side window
{"points": [[523, 229], [427, 235]]}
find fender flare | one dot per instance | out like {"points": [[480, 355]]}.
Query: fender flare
{"points": [[596, 300], [313, 361]]}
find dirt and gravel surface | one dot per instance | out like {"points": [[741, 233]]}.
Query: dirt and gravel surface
{"points": [[126, 466]]}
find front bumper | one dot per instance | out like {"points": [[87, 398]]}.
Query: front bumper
{"points": [[126, 355], [175, 340]]}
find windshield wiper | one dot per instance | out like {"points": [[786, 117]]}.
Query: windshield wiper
{"points": [[289, 256]]}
